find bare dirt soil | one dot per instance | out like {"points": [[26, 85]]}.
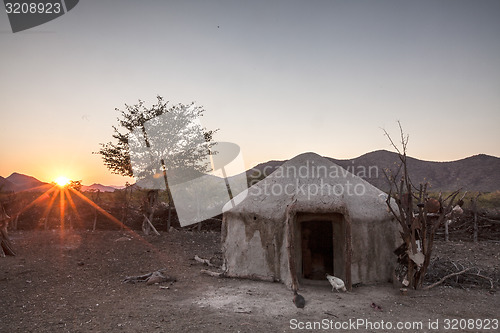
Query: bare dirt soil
{"points": [[72, 282]]}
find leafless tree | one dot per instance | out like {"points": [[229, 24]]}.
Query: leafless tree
{"points": [[418, 227]]}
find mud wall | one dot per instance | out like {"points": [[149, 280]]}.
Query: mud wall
{"points": [[373, 243], [256, 247], [252, 246]]}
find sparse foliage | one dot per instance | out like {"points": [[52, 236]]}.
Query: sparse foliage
{"points": [[152, 141], [75, 185], [185, 150]]}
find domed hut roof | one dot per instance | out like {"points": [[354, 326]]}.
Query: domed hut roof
{"points": [[308, 218]]}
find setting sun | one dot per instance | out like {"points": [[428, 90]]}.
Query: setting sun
{"points": [[61, 181]]}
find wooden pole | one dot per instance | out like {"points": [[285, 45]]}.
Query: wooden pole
{"points": [[169, 194], [291, 245], [446, 231], [152, 197], [474, 209], [95, 196], [151, 225]]}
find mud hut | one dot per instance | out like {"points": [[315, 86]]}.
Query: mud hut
{"points": [[308, 218]]}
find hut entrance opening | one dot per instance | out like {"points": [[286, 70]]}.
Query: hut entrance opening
{"points": [[322, 243]]}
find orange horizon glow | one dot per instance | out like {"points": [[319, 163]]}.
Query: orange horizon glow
{"points": [[66, 203]]}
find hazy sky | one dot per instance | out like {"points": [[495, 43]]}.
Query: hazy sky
{"points": [[277, 77]]}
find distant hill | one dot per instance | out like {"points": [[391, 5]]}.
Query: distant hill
{"points": [[102, 188], [18, 182], [474, 173], [6, 185]]}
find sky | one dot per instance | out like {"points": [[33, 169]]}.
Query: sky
{"points": [[278, 78]]}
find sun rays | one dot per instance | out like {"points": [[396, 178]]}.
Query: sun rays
{"points": [[70, 201], [67, 207]]}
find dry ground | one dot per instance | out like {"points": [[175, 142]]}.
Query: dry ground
{"points": [[72, 282]]}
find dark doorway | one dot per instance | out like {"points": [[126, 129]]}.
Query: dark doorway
{"points": [[317, 249], [323, 246]]}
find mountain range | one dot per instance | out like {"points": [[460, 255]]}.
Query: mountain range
{"points": [[17, 182], [475, 173]]}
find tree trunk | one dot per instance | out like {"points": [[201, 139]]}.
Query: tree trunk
{"points": [[446, 231], [474, 209], [152, 197], [169, 218], [96, 200], [95, 220], [167, 188], [5, 244], [290, 210], [13, 226]]}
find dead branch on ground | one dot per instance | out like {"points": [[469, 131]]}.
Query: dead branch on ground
{"points": [[466, 275], [254, 277], [204, 261], [446, 277], [151, 278], [213, 274]]}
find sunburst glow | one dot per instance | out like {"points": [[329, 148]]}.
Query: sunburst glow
{"points": [[68, 210], [61, 181]]}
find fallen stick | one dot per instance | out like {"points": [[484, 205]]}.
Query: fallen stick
{"points": [[203, 261], [489, 220], [446, 277], [150, 278], [213, 274], [253, 277], [487, 278]]}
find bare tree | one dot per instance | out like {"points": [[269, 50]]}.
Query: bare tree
{"points": [[417, 229]]}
